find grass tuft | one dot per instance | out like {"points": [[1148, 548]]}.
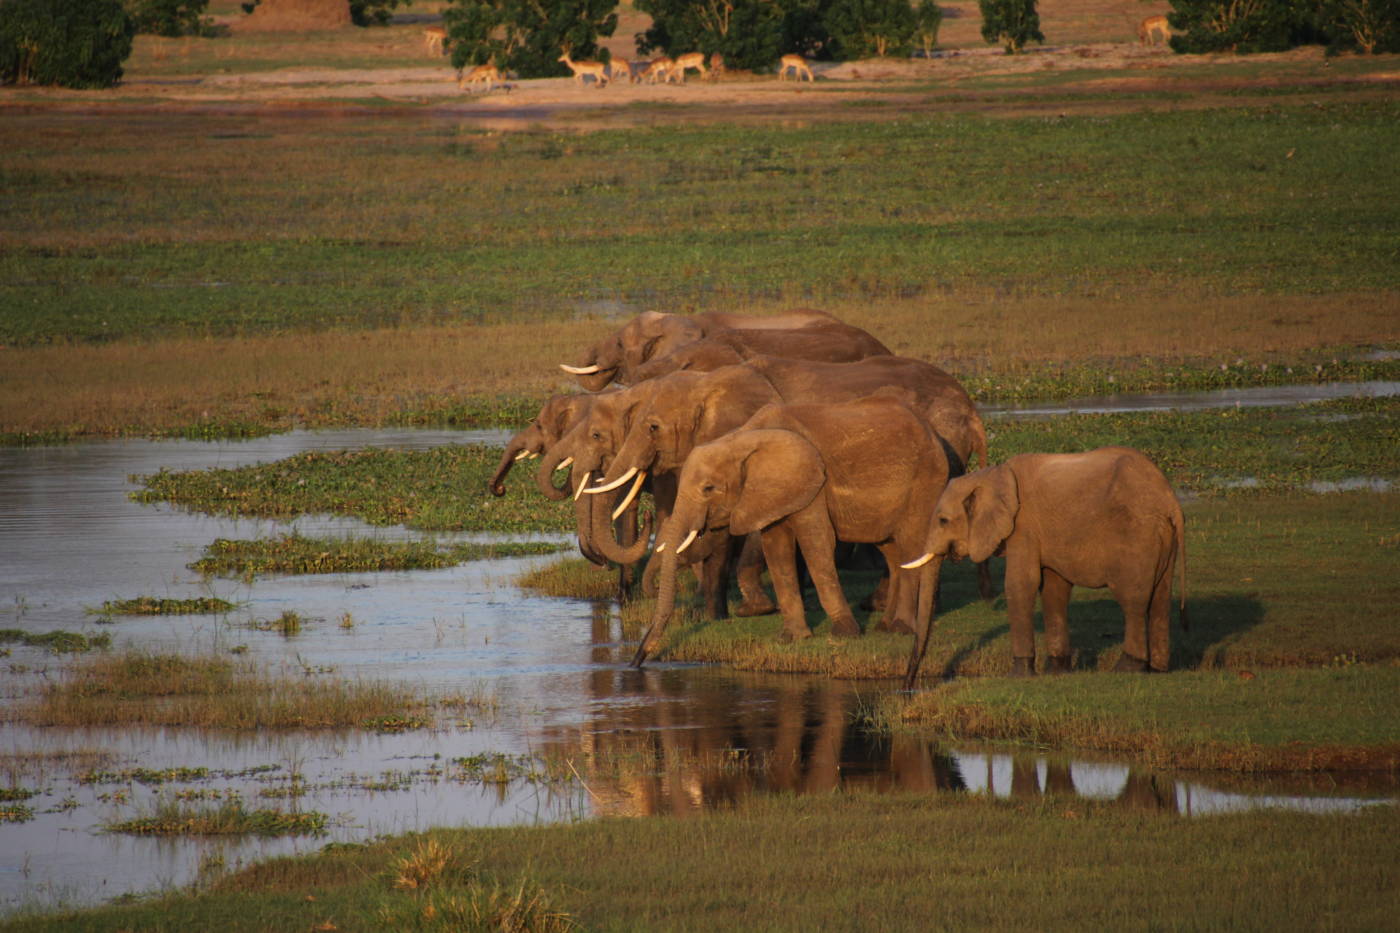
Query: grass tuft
{"points": [[158, 606], [230, 818], [295, 554]]}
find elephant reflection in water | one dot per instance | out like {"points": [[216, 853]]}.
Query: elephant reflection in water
{"points": [[1142, 790], [692, 744]]}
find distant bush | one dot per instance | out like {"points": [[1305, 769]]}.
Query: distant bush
{"points": [[71, 43], [748, 33], [866, 28], [1012, 23], [928, 17], [1370, 26], [170, 17], [525, 36], [374, 12]]}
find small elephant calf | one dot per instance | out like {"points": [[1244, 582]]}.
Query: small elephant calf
{"points": [[1107, 517]]}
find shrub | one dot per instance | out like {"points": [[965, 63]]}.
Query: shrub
{"points": [[72, 43], [1013, 23], [928, 17], [374, 12], [748, 33], [1233, 25], [1370, 26], [862, 28], [170, 17], [524, 36]]}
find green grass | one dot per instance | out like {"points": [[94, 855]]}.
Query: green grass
{"points": [[58, 642], [893, 862], [228, 819], [114, 238], [295, 554], [166, 606]]}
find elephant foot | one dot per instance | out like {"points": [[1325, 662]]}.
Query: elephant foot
{"points": [[1128, 664], [845, 628], [755, 607], [787, 635], [1058, 664], [1023, 667]]}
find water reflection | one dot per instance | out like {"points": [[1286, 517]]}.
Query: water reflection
{"points": [[1255, 397]]}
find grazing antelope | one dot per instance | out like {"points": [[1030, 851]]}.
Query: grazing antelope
{"points": [[581, 69], [689, 60], [657, 69], [1150, 28], [798, 64], [488, 76], [621, 68], [716, 66], [436, 38]]}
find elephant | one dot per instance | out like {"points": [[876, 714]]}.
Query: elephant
{"points": [[831, 343], [655, 333], [554, 420], [1104, 518], [804, 476]]}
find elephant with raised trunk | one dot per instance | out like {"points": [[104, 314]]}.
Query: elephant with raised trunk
{"points": [[654, 334], [805, 476], [1105, 518]]}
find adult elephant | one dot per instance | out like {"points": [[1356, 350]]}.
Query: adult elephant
{"points": [[556, 417], [833, 343], [803, 476], [656, 334], [1107, 517]]}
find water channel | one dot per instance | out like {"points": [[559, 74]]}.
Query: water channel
{"points": [[682, 738]]}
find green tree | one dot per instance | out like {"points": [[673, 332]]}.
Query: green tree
{"points": [[374, 12], [527, 36], [862, 28], [72, 43], [170, 17], [1233, 25], [748, 33], [1369, 26], [928, 17], [1013, 23]]}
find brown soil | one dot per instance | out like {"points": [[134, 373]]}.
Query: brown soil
{"points": [[295, 16]]}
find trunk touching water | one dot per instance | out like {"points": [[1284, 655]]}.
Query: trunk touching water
{"points": [[665, 603], [928, 592]]}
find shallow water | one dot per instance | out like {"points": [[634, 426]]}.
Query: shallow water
{"points": [[673, 738], [1256, 397]]}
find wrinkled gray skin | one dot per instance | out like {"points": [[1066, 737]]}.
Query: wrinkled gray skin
{"points": [[832, 342], [804, 476], [655, 334], [1105, 518]]}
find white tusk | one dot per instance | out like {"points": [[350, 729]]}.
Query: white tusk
{"points": [[615, 483], [579, 491], [522, 455], [688, 538], [579, 370], [631, 494], [916, 564], [564, 464], [660, 547], [534, 456]]}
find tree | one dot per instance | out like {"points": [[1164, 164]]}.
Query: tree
{"points": [[1013, 23], [1369, 26], [928, 17], [170, 17], [748, 33], [73, 43], [1233, 25], [527, 36], [862, 28]]}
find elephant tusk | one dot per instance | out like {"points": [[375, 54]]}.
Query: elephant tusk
{"points": [[615, 483], [533, 455], [632, 494], [688, 538], [916, 564], [564, 464], [660, 547], [523, 455], [579, 491], [579, 370]]}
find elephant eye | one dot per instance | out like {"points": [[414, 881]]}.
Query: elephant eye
{"points": [[597, 436], [942, 519], [653, 427], [708, 487]]}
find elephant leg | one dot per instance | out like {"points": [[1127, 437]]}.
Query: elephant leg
{"points": [[900, 597], [1159, 614], [780, 551], [1022, 584], [985, 588], [1134, 602], [1054, 608], [817, 539], [879, 600], [649, 575], [756, 602], [714, 580]]}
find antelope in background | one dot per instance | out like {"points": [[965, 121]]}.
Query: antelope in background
{"points": [[658, 69], [436, 39], [798, 64], [620, 68], [487, 75], [581, 69], [694, 60], [1150, 28]]}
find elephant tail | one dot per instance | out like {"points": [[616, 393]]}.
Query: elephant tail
{"points": [[1180, 523]]}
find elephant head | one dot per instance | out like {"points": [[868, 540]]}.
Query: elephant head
{"points": [[744, 481], [554, 420], [647, 336]]}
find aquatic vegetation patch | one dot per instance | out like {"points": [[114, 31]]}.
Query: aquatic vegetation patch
{"points": [[231, 818], [137, 688], [58, 641], [15, 794], [442, 489], [15, 813], [295, 554], [166, 606]]}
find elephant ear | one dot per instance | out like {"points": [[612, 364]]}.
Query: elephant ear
{"points": [[780, 473], [991, 511]]}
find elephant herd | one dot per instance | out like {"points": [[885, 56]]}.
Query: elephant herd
{"points": [[759, 438]]}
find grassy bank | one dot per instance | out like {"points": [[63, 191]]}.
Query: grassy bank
{"points": [[295, 554], [799, 863]]}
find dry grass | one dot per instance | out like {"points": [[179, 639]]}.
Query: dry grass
{"points": [[376, 376]]}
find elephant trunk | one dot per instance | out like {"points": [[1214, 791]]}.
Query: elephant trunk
{"points": [[594, 371], [544, 477], [928, 592], [665, 604], [614, 550], [515, 450], [589, 517]]}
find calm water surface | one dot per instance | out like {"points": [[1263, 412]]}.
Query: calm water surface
{"points": [[679, 738]]}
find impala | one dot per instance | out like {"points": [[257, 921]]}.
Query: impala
{"points": [[656, 70], [436, 38], [798, 64], [582, 69], [487, 75], [716, 65], [621, 68], [694, 60], [1150, 28]]}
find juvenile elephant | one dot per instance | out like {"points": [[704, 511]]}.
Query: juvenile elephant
{"points": [[654, 334], [832, 342], [1107, 517], [803, 476]]}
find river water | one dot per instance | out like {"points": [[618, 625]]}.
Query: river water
{"points": [[546, 681]]}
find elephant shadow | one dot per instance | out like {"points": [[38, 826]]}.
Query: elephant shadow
{"points": [[1096, 627]]}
